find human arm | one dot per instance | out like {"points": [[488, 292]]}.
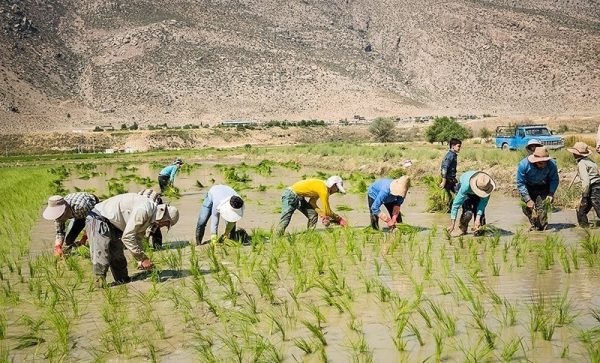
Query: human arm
{"points": [[173, 173], [134, 231], [585, 179], [554, 179], [521, 186]]}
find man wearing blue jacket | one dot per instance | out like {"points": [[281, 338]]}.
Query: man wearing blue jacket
{"points": [[473, 196], [537, 181], [166, 176], [389, 193]]}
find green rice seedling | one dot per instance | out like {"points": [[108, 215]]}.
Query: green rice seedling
{"points": [[115, 187], [509, 313], [384, 293], [316, 331], [510, 349], [317, 314], [230, 341], [574, 257], [565, 352], [595, 314], [439, 345], [360, 348], [356, 325], [307, 346], [489, 336], [563, 308], [593, 351], [263, 281], [425, 315], [564, 260], [476, 353], [415, 331], [159, 327], [172, 192], [437, 198], [591, 243], [464, 290], [444, 287], [275, 322], [73, 265], [62, 325], [3, 325], [344, 208], [548, 330], [494, 266]]}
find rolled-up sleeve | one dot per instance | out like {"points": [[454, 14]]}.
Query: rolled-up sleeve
{"points": [[459, 199], [483, 202], [381, 196]]}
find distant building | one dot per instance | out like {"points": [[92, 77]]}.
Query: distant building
{"points": [[109, 151], [234, 123]]}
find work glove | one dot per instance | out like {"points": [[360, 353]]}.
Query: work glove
{"points": [[214, 239], [145, 264], [342, 222]]}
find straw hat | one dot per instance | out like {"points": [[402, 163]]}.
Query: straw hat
{"points": [[231, 209], [482, 184], [399, 187], [56, 208], [580, 148], [540, 154]]}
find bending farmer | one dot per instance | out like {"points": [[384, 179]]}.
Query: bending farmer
{"points": [[537, 181], [221, 201], [314, 189], [166, 176], [122, 221], [473, 196], [590, 183], [74, 206], [389, 193]]}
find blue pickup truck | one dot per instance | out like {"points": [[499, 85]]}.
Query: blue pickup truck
{"points": [[515, 137]]}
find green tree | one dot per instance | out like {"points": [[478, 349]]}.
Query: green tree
{"points": [[123, 126], [485, 134], [445, 128], [135, 126], [383, 129]]}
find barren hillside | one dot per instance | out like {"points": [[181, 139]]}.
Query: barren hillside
{"points": [[74, 63]]}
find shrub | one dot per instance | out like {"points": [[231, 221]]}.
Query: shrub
{"points": [[485, 134], [562, 128], [98, 129], [445, 128], [383, 129]]}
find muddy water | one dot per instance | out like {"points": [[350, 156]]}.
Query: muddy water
{"points": [[520, 284]]}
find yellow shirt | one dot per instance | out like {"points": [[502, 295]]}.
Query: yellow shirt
{"points": [[315, 189]]}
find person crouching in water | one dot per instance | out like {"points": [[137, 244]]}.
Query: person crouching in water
{"points": [[220, 201], [122, 221], [473, 196], [314, 189], [537, 181], [389, 193], [590, 183]]}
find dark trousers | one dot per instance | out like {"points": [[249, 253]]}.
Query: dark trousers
{"points": [[375, 218], [106, 248], [76, 228], [450, 187], [163, 182], [538, 216], [586, 204], [469, 212]]}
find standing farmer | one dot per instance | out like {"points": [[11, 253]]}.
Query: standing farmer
{"points": [[122, 221], [220, 201], [448, 169], [537, 181], [314, 189], [74, 206], [473, 196], [389, 193], [590, 182], [166, 176]]}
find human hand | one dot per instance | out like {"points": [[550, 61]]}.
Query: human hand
{"points": [[145, 264], [450, 227], [58, 251], [530, 204], [550, 199], [342, 222], [391, 223], [326, 221], [214, 238]]}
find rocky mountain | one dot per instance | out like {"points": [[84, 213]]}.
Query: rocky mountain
{"points": [[75, 64]]}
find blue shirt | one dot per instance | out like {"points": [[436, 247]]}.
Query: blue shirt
{"points": [[170, 171], [464, 191], [379, 191], [449, 163], [529, 174]]}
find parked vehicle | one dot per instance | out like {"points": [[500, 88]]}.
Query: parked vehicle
{"points": [[515, 137]]}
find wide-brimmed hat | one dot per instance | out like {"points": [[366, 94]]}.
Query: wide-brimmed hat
{"points": [[336, 180], [540, 154], [533, 142], [482, 184], [166, 212], [56, 208], [580, 148], [231, 209], [399, 187]]}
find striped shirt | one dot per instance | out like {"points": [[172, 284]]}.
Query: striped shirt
{"points": [[78, 206]]}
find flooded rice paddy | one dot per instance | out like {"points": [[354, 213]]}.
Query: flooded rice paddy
{"points": [[335, 294]]}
